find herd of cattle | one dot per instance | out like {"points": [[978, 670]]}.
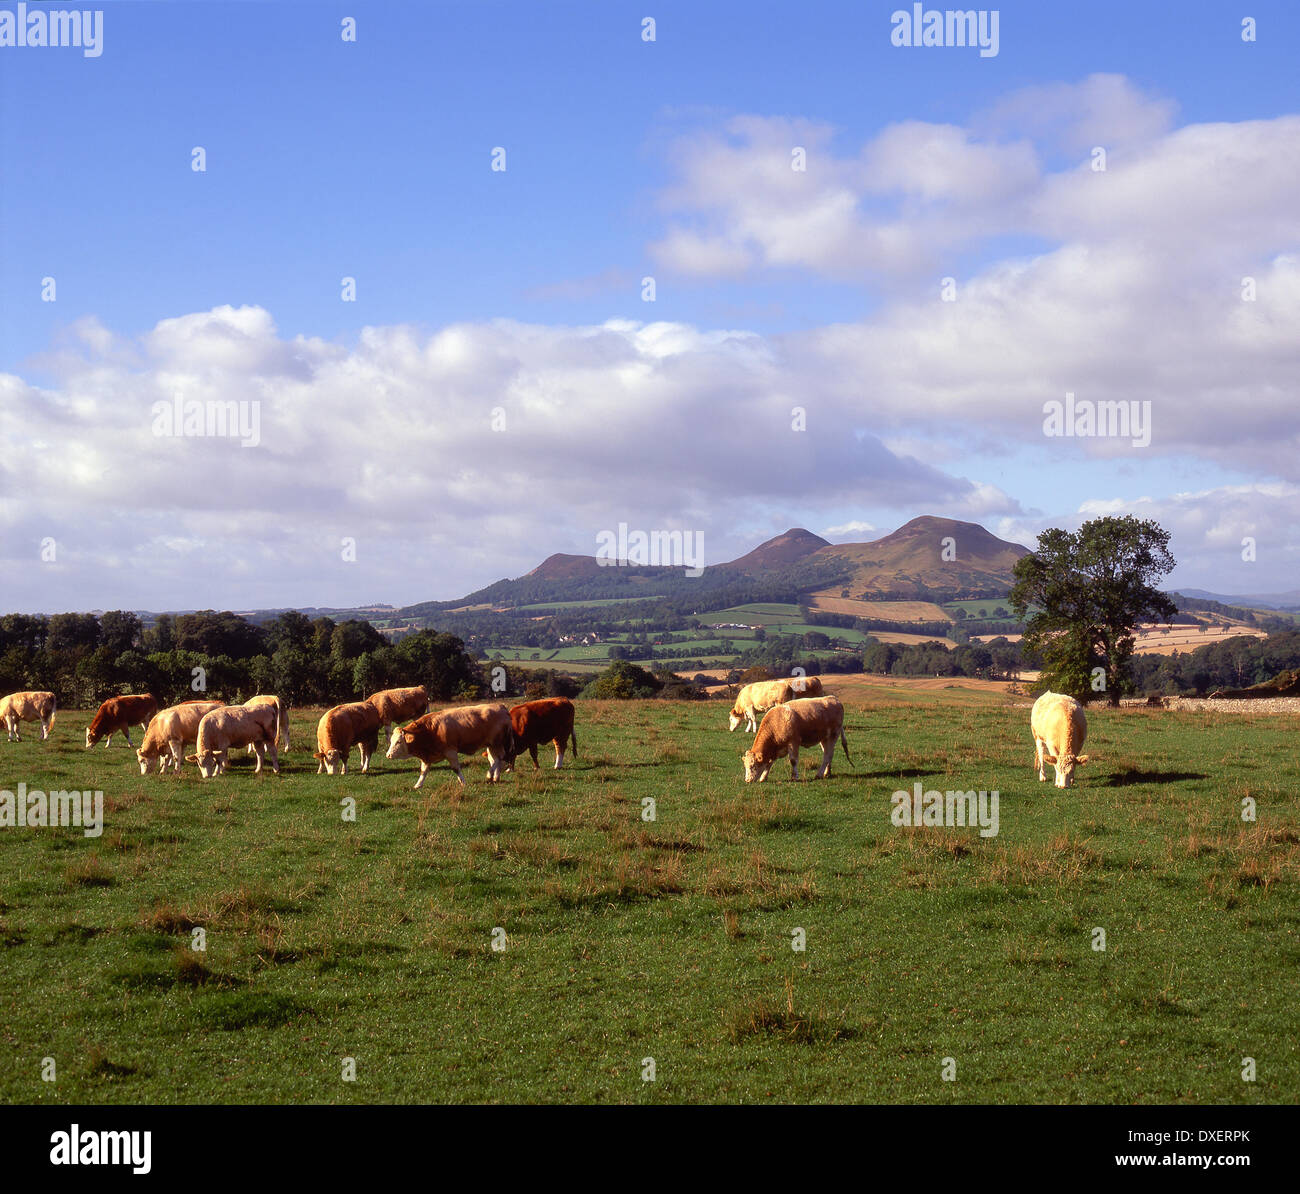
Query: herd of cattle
{"points": [[794, 713]]}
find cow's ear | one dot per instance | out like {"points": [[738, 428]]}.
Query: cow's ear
{"points": [[1080, 760], [191, 758]]}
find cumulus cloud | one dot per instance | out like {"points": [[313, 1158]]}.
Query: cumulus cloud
{"points": [[451, 456]]}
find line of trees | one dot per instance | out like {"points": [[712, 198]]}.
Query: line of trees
{"points": [[84, 658]]}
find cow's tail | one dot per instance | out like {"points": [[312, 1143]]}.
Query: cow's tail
{"points": [[54, 712], [275, 737], [844, 742], [573, 734]]}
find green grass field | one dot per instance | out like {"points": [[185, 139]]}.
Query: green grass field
{"points": [[669, 939], [757, 614]]}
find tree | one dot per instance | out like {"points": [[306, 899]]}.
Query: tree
{"points": [[1090, 588], [119, 630]]}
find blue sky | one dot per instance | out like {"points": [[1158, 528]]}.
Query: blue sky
{"points": [[328, 159]]}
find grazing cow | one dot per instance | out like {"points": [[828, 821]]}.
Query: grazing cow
{"points": [[276, 703], [119, 713], [27, 706], [436, 737], [811, 721], [236, 725], [756, 699], [169, 733], [398, 705], [536, 722], [342, 727], [1059, 726]]}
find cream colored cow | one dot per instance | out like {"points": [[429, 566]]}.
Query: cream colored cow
{"points": [[18, 707], [1059, 727], [169, 733], [236, 725], [277, 704], [756, 699]]}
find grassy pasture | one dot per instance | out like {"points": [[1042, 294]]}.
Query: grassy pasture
{"points": [[759, 613], [627, 939]]}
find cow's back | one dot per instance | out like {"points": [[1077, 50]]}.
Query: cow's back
{"points": [[471, 727], [177, 722], [814, 719], [1060, 721], [235, 725]]}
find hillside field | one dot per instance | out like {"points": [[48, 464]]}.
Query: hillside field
{"points": [[670, 939]]}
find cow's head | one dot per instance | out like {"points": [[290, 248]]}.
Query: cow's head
{"points": [[209, 763], [399, 746], [150, 763], [90, 738], [735, 718], [331, 759], [1065, 765], [755, 768]]}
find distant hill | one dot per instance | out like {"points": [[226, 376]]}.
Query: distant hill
{"points": [[911, 561], [795, 545], [908, 564], [1289, 600]]}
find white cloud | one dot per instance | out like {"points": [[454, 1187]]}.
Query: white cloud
{"points": [[848, 528]]}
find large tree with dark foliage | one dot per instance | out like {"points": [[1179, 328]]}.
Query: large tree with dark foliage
{"points": [[1089, 589]]}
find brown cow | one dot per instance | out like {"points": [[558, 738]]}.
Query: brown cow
{"points": [[342, 727], [397, 705], [813, 721], [118, 713], [27, 706], [438, 737], [236, 725], [169, 733], [536, 722]]}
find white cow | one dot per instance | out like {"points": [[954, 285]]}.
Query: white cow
{"points": [[18, 707], [1059, 727], [236, 725], [756, 699]]}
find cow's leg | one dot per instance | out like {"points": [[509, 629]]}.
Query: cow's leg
{"points": [[794, 762], [223, 757], [424, 770], [1038, 754], [45, 730], [453, 761], [126, 733], [532, 750], [260, 751], [559, 752], [275, 759], [828, 749], [494, 765], [365, 758]]}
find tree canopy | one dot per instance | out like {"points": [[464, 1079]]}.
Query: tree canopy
{"points": [[1089, 589]]}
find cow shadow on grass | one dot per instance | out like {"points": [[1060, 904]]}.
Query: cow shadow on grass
{"points": [[890, 773], [1123, 779]]}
